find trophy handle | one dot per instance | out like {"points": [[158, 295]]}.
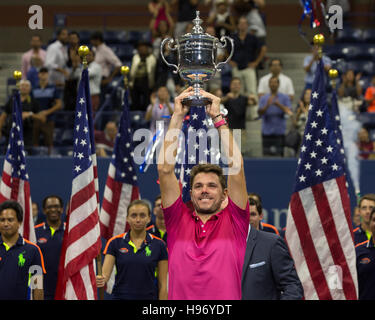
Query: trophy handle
{"points": [[169, 41], [222, 46]]}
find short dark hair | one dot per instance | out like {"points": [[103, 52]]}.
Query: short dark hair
{"points": [[52, 196], [97, 35], [258, 205], [37, 35], [157, 198], [140, 202], [274, 77], [74, 32], [43, 69], [276, 59], [207, 168], [11, 204], [367, 196], [235, 78], [58, 32]]}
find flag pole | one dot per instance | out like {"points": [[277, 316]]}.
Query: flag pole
{"points": [[83, 51]]}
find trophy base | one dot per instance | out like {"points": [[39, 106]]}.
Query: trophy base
{"points": [[196, 101]]}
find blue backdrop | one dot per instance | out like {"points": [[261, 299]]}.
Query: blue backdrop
{"points": [[273, 179]]}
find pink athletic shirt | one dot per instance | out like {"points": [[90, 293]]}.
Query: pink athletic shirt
{"points": [[205, 260]]}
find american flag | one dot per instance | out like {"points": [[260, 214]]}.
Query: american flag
{"points": [[195, 147], [319, 229], [15, 179], [121, 186], [81, 244]]}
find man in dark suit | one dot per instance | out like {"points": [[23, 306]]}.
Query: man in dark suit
{"points": [[268, 270]]}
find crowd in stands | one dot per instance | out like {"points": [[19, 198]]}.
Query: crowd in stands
{"points": [[51, 73]]}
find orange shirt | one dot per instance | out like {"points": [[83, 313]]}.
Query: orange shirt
{"points": [[369, 95]]}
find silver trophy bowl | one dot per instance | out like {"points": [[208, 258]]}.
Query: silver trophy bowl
{"points": [[196, 53]]}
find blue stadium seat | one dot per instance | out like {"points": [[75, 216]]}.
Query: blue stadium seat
{"points": [[67, 138], [348, 35], [122, 37], [368, 36], [340, 65], [334, 51], [110, 36], [372, 134], [137, 120], [125, 52], [11, 84], [134, 36], [84, 36], [365, 67], [371, 51], [356, 52]]}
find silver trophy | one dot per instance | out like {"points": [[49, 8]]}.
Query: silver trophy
{"points": [[196, 53]]}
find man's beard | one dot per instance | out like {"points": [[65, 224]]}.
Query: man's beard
{"points": [[214, 208]]}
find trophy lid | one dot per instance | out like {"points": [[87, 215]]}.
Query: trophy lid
{"points": [[197, 29]]}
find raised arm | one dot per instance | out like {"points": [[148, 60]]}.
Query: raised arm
{"points": [[169, 187], [236, 174]]}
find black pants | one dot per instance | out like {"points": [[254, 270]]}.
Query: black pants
{"points": [[273, 145]]}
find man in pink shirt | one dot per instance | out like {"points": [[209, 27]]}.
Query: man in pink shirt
{"points": [[206, 243], [34, 57]]}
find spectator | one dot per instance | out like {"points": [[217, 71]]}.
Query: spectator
{"points": [[185, 14], [160, 11], [48, 97], [161, 109], [237, 105], [356, 217], [34, 58], [203, 221], [247, 55], [370, 96], [142, 76], [106, 58], [215, 82], [71, 82], [268, 269], [365, 145], [255, 19], [30, 109], [222, 20], [164, 30], [73, 46], [272, 108], [256, 215], [95, 77], [310, 63], [300, 117], [136, 254], [35, 212], [163, 74], [57, 59], [350, 87], [366, 205], [105, 140], [158, 229], [286, 83], [365, 263], [18, 255], [49, 237]]}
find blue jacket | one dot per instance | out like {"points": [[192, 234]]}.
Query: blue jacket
{"points": [[268, 270]]}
